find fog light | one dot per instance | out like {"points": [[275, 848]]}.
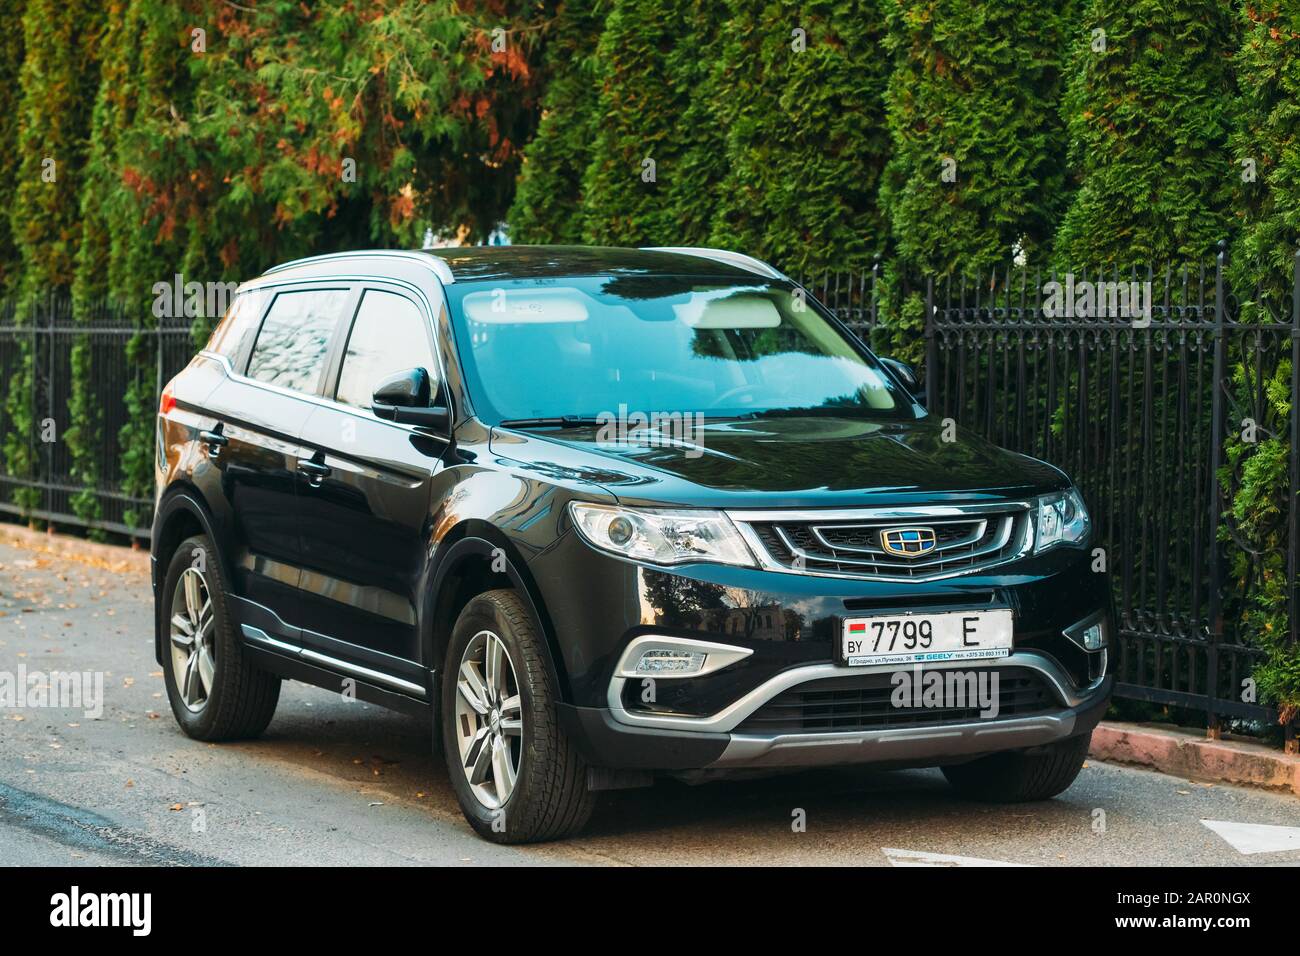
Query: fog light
{"points": [[659, 655], [1094, 638], [660, 660], [1090, 633]]}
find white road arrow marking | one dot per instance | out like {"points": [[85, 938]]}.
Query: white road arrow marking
{"points": [[1256, 837], [898, 857]]}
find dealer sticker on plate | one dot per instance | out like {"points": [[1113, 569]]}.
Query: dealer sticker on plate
{"points": [[920, 638]]}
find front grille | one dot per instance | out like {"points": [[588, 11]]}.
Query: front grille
{"points": [[854, 548], [864, 702]]}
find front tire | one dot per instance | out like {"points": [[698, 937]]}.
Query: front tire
{"points": [[214, 691], [516, 775], [1015, 777]]}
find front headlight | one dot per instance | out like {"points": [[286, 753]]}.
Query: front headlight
{"points": [[662, 537], [1062, 519]]}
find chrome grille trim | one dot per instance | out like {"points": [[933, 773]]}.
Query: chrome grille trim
{"points": [[980, 526], [1007, 526]]}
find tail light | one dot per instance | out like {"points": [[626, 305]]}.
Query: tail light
{"points": [[168, 400]]}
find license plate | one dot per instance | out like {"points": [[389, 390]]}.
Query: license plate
{"points": [[922, 638]]}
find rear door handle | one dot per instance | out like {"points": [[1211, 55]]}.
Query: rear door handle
{"points": [[214, 440], [316, 471]]}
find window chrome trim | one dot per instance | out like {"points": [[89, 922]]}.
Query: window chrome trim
{"points": [[743, 520], [731, 716], [321, 400]]}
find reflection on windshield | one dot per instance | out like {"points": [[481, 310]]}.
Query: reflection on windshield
{"points": [[584, 346]]}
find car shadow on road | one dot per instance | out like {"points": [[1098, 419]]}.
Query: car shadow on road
{"points": [[379, 751]]}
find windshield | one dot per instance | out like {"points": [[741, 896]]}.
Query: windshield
{"points": [[589, 346]]}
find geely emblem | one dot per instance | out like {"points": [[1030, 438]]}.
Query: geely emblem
{"points": [[907, 542]]}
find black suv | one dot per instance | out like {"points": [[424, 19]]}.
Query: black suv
{"points": [[603, 515]]}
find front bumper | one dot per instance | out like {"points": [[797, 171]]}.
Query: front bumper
{"points": [[616, 738], [917, 746], [787, 623]]}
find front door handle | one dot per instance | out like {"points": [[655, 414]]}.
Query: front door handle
{"points": [[214, 440], [315, 471]]}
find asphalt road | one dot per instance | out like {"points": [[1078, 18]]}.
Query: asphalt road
{"points": [[338, 783]]}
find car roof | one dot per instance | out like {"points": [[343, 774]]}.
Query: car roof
{"points": [[482, 263], [473, 263]]}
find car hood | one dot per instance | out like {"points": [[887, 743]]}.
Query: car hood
{"points": [[784, 462]]}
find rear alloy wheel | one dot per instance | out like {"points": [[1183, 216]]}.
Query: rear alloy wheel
{"points": [[193, 651], [489, 719], [215, 691]]}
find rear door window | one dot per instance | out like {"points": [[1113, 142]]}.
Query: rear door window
{"points": [[293, 344]]}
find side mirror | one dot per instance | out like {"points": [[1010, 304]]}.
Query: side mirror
{"points": [[907, 377], [404, 398]]}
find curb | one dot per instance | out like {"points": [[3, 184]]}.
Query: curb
{"points": [[110, 556], [1185, 753]]}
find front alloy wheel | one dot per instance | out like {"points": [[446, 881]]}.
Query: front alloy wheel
{"points": [[489, 719], [517, 776], [192, 639]]}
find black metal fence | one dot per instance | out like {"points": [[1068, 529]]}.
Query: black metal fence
{"points": [[48, 491], [1136, 409]]}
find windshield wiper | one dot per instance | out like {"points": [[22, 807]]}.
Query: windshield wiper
{"points": [[558, 421]]}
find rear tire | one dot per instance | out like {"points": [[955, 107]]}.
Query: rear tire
{"points": [[215, 693], [499, 723], [1018, 777]]}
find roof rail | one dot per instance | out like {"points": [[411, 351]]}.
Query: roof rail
{"points": [[738, 259], [435, 263]]}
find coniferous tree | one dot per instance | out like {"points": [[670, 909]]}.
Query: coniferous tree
{"points": [[1255, 481], [57, 82], [132, 237], [1266, 165], [58, 79], [973, 106], [658, 155], [548, 199], [800, 88], [11, 58], [1149, 110], [93, 254]]}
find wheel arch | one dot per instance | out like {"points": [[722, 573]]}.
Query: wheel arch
{"points": [[182, 513], [473, 558]]}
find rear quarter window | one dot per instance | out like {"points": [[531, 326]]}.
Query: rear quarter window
{"points": [[236, 329]]}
